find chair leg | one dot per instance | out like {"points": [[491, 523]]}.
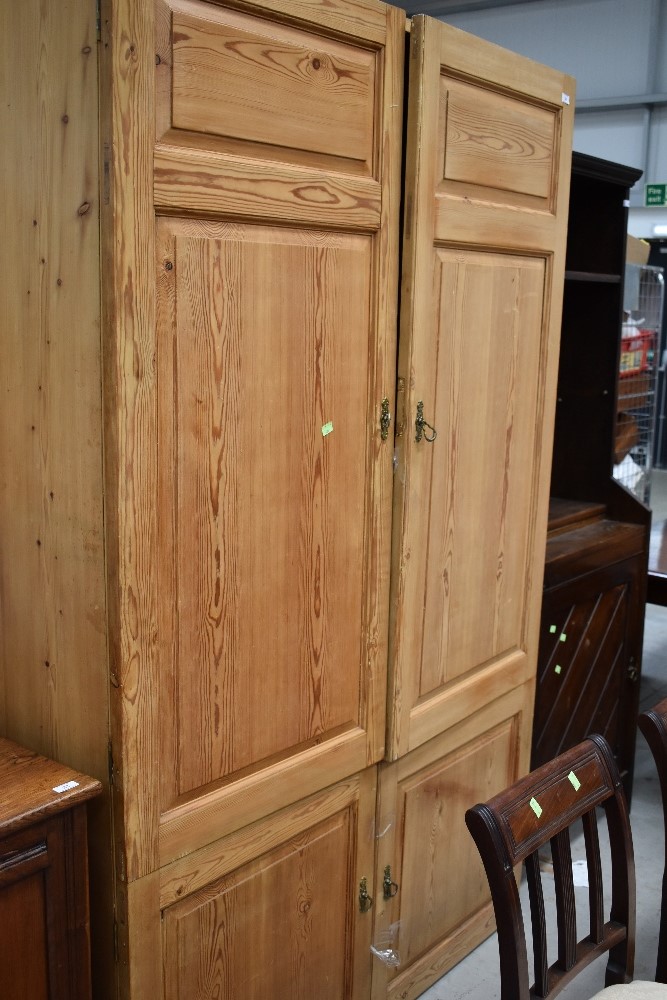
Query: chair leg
{"points": [[661, 968]]}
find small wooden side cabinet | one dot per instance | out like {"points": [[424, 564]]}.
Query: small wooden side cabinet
{"points": [[590, 638], [44, 949]]}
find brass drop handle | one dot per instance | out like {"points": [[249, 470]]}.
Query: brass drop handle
{"points": [[389, 888], [365, 901], [421, 424]]}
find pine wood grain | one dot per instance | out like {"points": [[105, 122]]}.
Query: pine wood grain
{"points": [[205, 816], [488, 140], [483, 388], [266, 515], [442, 907], [497, 142], [275, 912], [53, 658], [199, 868], [239, 76], [273, 532], [479, 337], [130, 425], [52, 607], [201, 182]]}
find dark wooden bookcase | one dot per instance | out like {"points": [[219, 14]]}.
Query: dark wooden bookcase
{"points": [[597, 547]]}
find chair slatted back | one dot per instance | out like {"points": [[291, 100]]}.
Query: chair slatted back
{"points": [[653, 725], [511, 828]]}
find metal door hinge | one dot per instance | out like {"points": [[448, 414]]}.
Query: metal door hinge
{"points": [[385, 419], [110, 762], [633, 670], [400, 407], [98, 19], [115, 939]]}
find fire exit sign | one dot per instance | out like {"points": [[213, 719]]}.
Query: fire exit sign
{"points": [[655, 195]]}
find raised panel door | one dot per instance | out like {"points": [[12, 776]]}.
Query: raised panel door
{"points": [[270, 911], [439, 907], [486, 200], [256, 188], [267, 517]]}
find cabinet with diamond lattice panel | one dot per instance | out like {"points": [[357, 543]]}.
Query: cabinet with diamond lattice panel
{"points": [[587, 675]]}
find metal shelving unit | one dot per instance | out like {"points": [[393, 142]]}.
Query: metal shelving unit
{"points": [[636, 399]]}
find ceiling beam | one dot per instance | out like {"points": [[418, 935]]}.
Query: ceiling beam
{"points": [[443, 8], [620, 103]]}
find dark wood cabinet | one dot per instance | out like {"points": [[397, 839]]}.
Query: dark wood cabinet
{"points": [[590, 635], [597, 545], [43, 878]]}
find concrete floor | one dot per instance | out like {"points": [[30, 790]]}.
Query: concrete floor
{"points": [[476, 977]]}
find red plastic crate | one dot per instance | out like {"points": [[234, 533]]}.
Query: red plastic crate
{"points": [[637, 352]]}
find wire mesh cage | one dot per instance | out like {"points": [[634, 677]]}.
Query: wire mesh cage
{"points": [[635, 412]]}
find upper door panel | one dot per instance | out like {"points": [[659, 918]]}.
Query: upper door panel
{"points": [[261, 71], [276, 187], [486, 201]]}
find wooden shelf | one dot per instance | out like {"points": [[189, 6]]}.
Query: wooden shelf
{"points": [[564, 515], [589, 546], [592, 276]]}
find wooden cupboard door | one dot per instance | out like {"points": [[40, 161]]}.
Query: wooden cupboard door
{"points": [[45, 953], [265, 577], [489, 137], [255, 326], [441, 907], [273, 911]]}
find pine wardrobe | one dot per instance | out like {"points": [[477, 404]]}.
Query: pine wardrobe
{"points": [[271, 561]]}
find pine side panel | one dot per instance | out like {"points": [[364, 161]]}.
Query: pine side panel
{"points": [[127, 101], [138, 936], [53, 656]]}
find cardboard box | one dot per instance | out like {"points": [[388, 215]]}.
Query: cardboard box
{"points": [[637, 251]]}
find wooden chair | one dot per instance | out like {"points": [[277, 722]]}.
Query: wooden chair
{"points": [[511, 828], [653, 725]]}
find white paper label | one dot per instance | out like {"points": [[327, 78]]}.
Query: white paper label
{"points": [[66, 786], [626, 203], [565, 98]]}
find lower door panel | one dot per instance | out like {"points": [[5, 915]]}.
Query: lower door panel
{"points": [[436, 906]]}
